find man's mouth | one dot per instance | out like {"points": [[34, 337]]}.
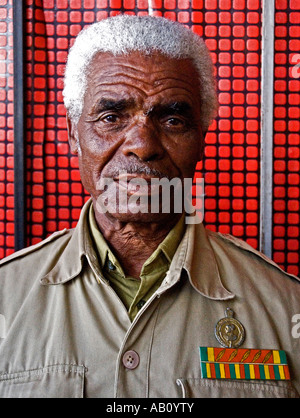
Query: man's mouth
{"points": [[138, 184]]}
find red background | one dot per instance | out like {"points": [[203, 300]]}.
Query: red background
{"points": [[232, 31]]}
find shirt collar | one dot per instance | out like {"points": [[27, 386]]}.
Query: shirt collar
{"points": [[100, 243], [192, 255]]}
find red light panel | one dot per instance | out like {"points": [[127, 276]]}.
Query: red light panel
{"points": [[6, 131], [286, 230]]}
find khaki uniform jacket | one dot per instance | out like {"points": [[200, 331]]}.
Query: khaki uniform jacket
{"points": [[67, 334]]}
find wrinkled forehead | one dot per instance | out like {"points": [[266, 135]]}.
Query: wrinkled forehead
{"points": [[146, 75]]}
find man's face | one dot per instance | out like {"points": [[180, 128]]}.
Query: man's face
{"points": [[141, 115]]}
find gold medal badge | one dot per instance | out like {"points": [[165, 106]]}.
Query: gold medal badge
{"points": [[229, 331]]}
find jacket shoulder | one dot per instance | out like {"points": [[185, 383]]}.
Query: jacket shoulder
{"points": [[33, 248], [242, 245]]}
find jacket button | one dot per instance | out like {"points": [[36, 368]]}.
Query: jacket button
{"points": [[131, 359]]}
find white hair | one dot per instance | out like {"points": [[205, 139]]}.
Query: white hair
{"points": [[123, 34]]}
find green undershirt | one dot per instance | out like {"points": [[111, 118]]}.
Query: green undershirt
{"points": [[135, 292]]}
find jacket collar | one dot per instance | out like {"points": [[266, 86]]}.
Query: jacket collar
{"points": [[201, 265], [193, 253], [71, 259]]}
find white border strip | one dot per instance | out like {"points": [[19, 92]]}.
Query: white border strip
{"points": [[150, 8], [267, 95]]}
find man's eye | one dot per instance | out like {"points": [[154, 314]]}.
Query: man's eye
{"points": [[110, 118], [106, 118], [175, 122]]}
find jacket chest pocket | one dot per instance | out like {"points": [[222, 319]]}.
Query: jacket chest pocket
{"points": [[56, 381], [209, 388]]}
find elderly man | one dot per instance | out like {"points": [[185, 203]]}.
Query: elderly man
{"points": [[135, 302]]}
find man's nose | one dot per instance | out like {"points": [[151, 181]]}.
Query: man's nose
{"points": [[144, 142]]}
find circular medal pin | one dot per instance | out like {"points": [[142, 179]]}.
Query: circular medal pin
{"points": [[229, 331]]}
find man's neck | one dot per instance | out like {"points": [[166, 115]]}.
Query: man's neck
{"points": [[133, 242]]}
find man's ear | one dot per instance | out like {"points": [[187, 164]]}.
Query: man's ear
{"points": [[72, 135]]}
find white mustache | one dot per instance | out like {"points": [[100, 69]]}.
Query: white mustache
{"points": [[136, 169]]}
